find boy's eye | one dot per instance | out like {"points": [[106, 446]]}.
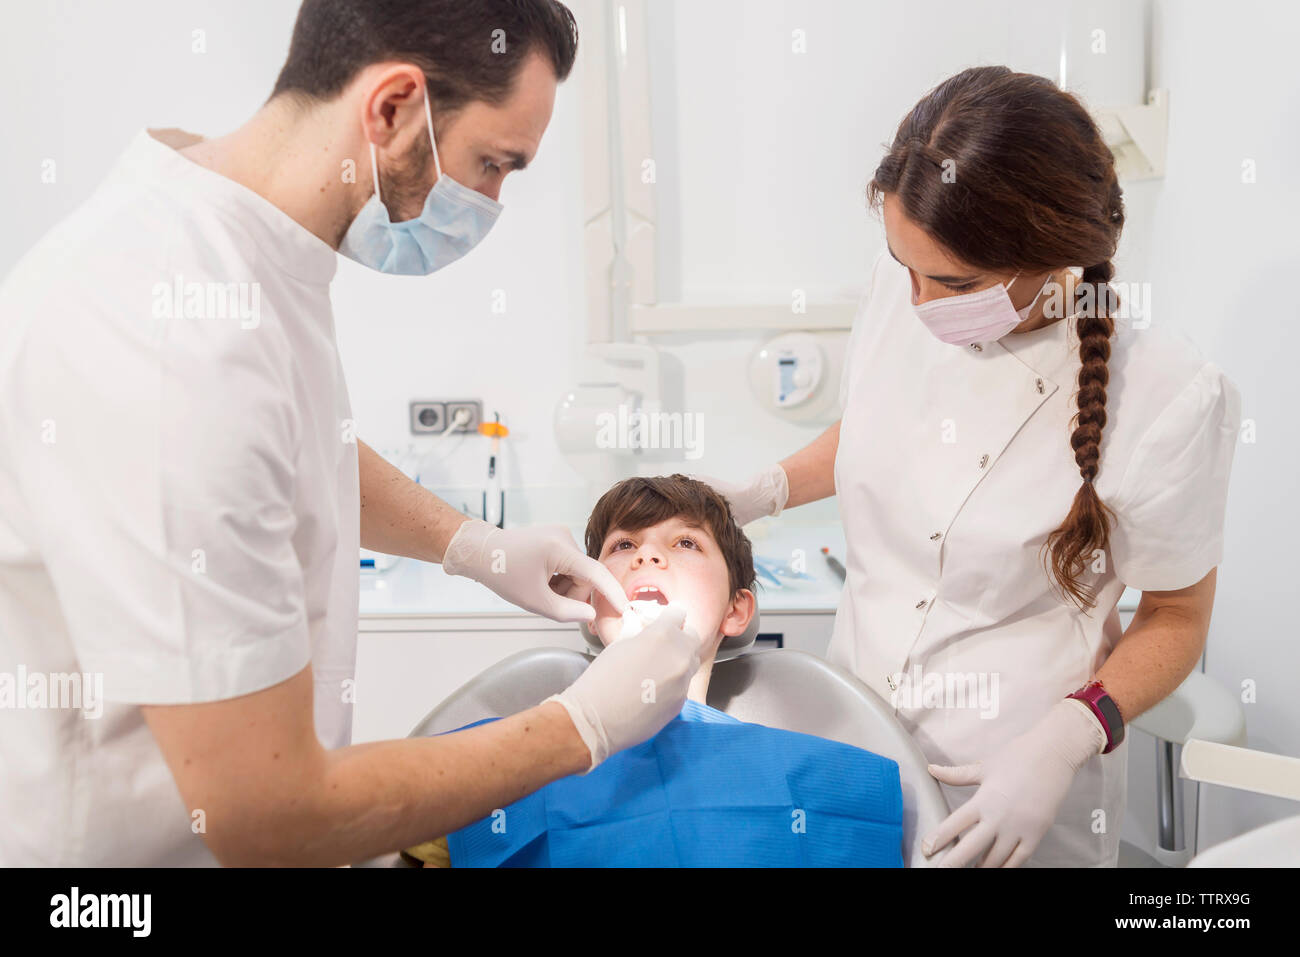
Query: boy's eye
{"points": [[961, 288], [618, 545], [489, 165]]}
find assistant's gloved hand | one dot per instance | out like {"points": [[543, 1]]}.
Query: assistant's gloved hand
{"points": [[634, 687], [763, 494], [1020, 788], [519, 564]]}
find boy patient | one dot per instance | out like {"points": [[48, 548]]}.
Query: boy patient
{"points": [[668, 540], [672, 540]]}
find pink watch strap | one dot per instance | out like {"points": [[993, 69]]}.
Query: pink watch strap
{"points": [[1103, 706]]}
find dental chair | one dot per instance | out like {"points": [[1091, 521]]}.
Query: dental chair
{"points": [[780, 688], [1200, 711], [1246, 769]]}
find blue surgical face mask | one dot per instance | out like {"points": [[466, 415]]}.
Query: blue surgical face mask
{"points": [[454, 220]]}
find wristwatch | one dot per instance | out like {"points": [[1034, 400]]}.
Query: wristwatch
{"points": [[1103, 706]]}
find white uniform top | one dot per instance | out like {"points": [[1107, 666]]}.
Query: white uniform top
{"points": [[954, 466], [179, 514]]}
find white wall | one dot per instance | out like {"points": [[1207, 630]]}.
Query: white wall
{"points": [[1222, 258], [775, 147], [81, 77]]}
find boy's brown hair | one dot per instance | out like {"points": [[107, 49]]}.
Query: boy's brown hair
{"points": [[640, 502]]}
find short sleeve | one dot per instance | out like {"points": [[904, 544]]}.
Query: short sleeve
{"points": [[155, 462], [856, 336], [1171, 502]]}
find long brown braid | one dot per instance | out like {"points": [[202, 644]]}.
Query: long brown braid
{"points": [[1034, 189], [1085, 533]]}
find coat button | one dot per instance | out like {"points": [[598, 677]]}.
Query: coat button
{"points": [[922, 603], [984, 460], [936, 536], [893, 685], [1039, 383]]}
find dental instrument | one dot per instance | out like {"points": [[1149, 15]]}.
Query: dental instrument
{"points": [[494, 496], [834, 562]]}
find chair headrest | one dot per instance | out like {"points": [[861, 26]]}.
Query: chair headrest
{"points": [[731, 647]]}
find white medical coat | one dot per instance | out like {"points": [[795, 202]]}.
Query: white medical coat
{"points": [[954, 465], [179, 506]]}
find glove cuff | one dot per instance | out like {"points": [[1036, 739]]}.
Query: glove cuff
{"points": [[773, 486], [589, 732], [465, 550], [1082, 736]]}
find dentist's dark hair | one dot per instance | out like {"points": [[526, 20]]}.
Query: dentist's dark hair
{"points": [[1030, 186], [468, 50]]}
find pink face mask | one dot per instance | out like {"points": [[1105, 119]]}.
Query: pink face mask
{"points": [[973, 316]]}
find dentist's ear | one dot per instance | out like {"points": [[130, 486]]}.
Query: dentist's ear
{"points": [[391, 98], [743, 605]]}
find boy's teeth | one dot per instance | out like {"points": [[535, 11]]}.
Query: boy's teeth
{"points": [[649, 593]]}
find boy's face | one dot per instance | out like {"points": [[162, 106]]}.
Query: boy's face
{"points": [[678, 562]]}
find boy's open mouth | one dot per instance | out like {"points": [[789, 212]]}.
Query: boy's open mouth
{"points": [[647, 593]]}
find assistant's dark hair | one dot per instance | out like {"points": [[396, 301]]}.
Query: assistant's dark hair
{"points": [[468, 49], [643, 501], [1030, 186]]}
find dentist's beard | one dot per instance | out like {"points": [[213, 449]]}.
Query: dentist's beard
{"points": [[405, 185]]}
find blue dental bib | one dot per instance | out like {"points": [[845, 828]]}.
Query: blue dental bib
{"points": [[707, 791]]}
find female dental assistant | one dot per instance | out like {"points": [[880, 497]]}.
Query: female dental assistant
{"points": [[1006, 466]]}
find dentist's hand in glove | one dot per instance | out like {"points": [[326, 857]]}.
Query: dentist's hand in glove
{"points": [[762, 494], [634, 687], [1021, 786], [540, 569]]}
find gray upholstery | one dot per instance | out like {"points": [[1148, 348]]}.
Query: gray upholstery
{"points": [[781, 689]]}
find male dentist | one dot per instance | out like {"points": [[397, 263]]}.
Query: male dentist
{"points": [[182, 497]]}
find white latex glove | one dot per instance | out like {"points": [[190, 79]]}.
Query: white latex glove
{"points": [[634, 687], [639, 614], [1020, 789], [763, 494], [520, 563]]}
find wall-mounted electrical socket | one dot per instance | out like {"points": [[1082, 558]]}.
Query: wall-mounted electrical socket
{"points": [[429, 417], [475, 409]]}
